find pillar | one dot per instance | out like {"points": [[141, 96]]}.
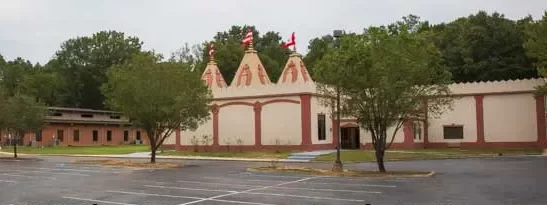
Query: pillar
{"points": [[257, 107], [305, 116], [540, 118], [479, 114], [408, 131], [215, 110]]}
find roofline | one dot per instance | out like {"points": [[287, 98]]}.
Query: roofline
{"points": [[82, 110]]}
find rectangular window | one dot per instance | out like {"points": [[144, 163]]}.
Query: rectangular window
{"points": [[95, 136], [57, 114], [453, 132], [138, 135], [39, 136], [321, 127], [125, 135], [115, 117], [417, 130], [86, 115], [109, 135], [60, 135], [76, 135]]}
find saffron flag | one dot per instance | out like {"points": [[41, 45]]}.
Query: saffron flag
{"points": [[211, 50], [291, 42], [248, 38]]}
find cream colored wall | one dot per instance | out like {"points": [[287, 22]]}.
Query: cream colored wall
{"points": [[463, 113], [281, 121], [510, 118], [316, 108], [366, 137], [236, 122], [204, 129]]}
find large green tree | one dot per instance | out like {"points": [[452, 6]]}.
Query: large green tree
{"points": [[82, 64], [13, 73], [536, 47], [21, 114], [484, 47], [159, 97], [384, 75], [229, 51]]}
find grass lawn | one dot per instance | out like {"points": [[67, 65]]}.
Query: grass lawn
{"points": [[94, 150], [236, 154], [423, 154]]}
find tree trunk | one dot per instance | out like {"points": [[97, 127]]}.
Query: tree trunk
{"points": [[153, 155], [380, 159], [15, 150]]}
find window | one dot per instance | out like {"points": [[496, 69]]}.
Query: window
{"points": [[38, 136], [60, 135], [453, 132], [95, 136], [109, 135], [57, 114], [417, 130], [125, 135], [76, 135], [321, 127], [139, 135], [114, 117], [87, 115]]}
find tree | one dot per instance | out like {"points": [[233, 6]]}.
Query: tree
{"points": [[42, 84], [12, 74], [82, 64], [159, 97], [484, 47], [21, 114], [191, 55], [384, 75], [229, 51], [536, 48], [316, 50]]}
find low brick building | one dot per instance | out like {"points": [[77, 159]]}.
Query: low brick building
{"points": [[82, 127]]}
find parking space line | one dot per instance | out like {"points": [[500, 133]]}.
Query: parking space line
{"points": [[93, 200], [147, 194], [271, 176], [249, 190], [47, 172], [77, 170], [258, 180], [212, 183], [238, 202], [352, 184], [184, 188], [329, 190], [307, 197], [25, 176], [8, 181]]}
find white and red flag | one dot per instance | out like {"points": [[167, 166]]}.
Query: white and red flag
{"points": [[211, 50], [248, 39], [291, 42]]}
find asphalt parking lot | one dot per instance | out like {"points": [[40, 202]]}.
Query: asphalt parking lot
{"points": [[507, 180]]}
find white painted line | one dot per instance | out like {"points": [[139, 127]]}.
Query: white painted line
{"points": [[93, 200], [272, 176], [258, 180], [8, 181], [352, 184], [78, 170], [238, 202], [50, 172], [249, 190], [212, 183], [147, 194], [184, 188], [307, 197], [25, 176], [328, 190]]}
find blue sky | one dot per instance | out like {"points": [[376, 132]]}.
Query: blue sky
{"points": [[35, 29]]}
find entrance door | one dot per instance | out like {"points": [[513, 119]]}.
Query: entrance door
{"points": [[350, 138]]}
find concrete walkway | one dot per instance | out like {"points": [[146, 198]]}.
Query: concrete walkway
{"points": [[308, 156]]}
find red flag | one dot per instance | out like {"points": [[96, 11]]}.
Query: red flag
{"points": [[291, 42], [248, 38], [211, 50]]}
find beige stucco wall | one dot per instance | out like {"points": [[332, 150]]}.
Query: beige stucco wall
{"points": [[281, 121], [204, 129], [317, 107], [366, 137], [236, 122], [510, 118], [463, 113]]}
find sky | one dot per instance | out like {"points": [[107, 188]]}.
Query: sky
{"points": [[35, 29]]}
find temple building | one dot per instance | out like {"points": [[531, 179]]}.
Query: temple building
{"points": [[255, 113]]}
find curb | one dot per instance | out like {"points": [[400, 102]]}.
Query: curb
{"points": [[430, 174]]}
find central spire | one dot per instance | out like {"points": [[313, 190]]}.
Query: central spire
{"points": [[251, 71]]}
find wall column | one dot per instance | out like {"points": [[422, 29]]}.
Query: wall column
{"points": [[215, 110], [540, 118], [305, 115], [426, 122], [408, 132], [257, 107], [177, 139], [479, 114]]}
